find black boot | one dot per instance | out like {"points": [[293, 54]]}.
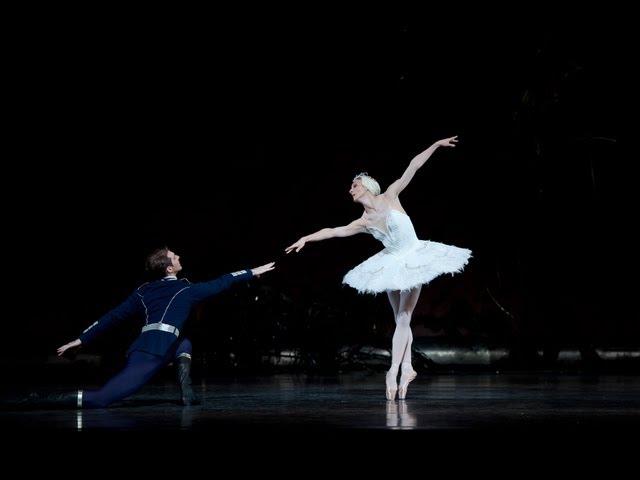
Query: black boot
{"points": [[36, 401], [184, 381]]}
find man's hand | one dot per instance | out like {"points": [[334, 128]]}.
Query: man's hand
{"points": [[263, 269], [64, 348]]}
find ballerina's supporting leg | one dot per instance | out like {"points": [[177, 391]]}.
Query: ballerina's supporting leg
{"points": [[407, 304], [403, 305], [392, 374]]}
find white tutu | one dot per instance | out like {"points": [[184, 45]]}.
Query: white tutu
{"points": [[406, 261]]}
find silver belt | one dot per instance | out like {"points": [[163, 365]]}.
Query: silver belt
{"points": [[163, 327]]}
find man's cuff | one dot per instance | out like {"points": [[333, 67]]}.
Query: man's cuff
{"points": [[240, 274]]}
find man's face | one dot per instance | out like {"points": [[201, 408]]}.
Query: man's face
{"points": [[175, 266]]}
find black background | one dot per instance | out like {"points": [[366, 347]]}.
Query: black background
{"points": [[228, 135]]}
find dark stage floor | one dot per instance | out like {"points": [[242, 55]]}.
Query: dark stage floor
{"points": [[322, 422], [460, 402]]}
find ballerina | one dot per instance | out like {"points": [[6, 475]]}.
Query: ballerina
{"points": [[402, 267]]}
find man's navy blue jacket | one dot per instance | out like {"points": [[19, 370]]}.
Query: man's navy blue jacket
{"points": [[165, 304]]}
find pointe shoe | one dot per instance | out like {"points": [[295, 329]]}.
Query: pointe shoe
{"points": [[391, 393], [405, 379], [392, 387]]}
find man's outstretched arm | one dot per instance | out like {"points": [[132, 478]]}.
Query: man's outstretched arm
{"points": [[203, 290], [126, 309]]}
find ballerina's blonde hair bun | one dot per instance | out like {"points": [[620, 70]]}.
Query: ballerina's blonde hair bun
{"points": [[368, 182]]}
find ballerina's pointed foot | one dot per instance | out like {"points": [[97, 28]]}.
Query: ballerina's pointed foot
{"points": [[405, 379], [392, 387], [391, 393]]}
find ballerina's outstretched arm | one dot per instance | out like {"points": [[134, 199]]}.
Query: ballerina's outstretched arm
{"points": [[419, 160], [357, 226]]}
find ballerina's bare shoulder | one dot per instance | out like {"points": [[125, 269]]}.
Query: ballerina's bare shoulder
{"points": [[376, 217]]}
